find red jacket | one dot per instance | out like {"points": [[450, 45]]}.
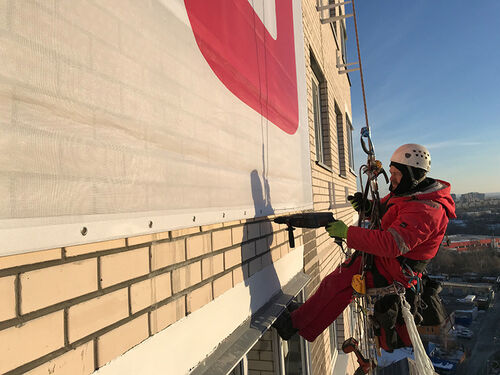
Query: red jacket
{"points": [[413, 226]]}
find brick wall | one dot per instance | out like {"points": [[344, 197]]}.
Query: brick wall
{"points": [[81, 306], [261, 358], [332, 184]]}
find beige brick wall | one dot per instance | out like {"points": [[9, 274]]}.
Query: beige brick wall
{"points": [[60, 283], [261, 356], [102, 291], [34, 339], [90, 316], [118, 341], [165, 315], [119, 267], [8, 295], [76, 361]]}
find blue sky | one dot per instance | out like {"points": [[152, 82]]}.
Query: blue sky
{"points": [[432, 76]]}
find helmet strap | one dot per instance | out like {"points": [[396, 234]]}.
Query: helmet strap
{"points": [[414, 182]]}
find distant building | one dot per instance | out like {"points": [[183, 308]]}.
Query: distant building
{"points": [[471, 197], [461, 242]]}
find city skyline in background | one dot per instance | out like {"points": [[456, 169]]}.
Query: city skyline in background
{"points": [[431, 75]]}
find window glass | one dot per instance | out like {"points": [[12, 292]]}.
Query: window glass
{"points": [[318, 131], [333, 340], [292, 355], [350, 144], [240, 369], [343, 38], [333, 13]]}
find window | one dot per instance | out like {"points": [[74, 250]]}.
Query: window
{"points": [[333, 340], [333, 13], [350, 148], [340, 141], [294, 354], [241, 368], [318, 131], [343, 38], [320, 116]]}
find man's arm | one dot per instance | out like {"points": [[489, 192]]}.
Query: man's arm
{"points": [[410, 229]]}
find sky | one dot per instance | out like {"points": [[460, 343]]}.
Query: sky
{"points": [[432, 76]]}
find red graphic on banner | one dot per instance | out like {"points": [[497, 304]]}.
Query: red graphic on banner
{"points": [[259, 70]]}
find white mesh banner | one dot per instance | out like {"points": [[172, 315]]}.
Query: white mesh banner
{"points": [[123, 117]]}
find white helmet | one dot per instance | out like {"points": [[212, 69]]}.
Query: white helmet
{"points": [[413, 155]]}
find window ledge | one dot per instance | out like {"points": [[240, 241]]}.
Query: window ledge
{"points": [[353, 173], [324, 166], [344, 176], [237, 344]]}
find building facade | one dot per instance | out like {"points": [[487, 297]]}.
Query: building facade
{"points": [[197, 298]]}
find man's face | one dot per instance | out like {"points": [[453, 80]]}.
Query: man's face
{"points": [[396, 177]]}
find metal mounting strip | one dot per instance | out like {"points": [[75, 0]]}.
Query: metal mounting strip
{"points": [[230, 351], [348, 64], [348, 70], [336, 18], [331, 6]]}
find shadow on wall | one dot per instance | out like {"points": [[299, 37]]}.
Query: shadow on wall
{"points": [[255, 247]]}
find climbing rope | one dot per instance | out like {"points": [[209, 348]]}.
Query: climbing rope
{"points": [[424, 364], [373, 169]]}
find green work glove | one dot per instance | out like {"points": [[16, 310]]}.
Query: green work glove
{"points": [[356, 201], [337, 229]]}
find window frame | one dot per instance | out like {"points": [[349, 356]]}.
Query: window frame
{"points": [[305, 350], [318, 123], [241, 368], [339, 119], [334, 342], [343, 38], [350, 144]]}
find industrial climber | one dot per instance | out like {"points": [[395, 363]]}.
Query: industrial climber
{"points": [[414, 221]]}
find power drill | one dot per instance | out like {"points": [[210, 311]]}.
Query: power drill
{"points": [[365, 365], [306, 220]]}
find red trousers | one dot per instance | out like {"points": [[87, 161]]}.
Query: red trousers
{"points": [[326, 304]]}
